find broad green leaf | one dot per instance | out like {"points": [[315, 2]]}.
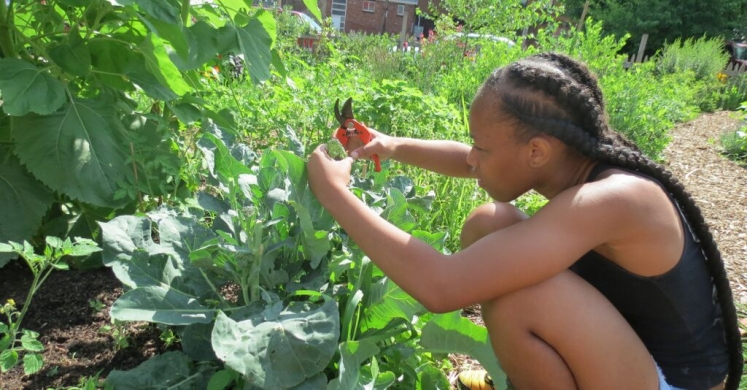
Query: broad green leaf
{"points": [[75, 3], [76, 151], [396, 211], [452, 333], [174, 34], [386, 301], [72, 55], [161, 304], [32, 363], [195, 341], [232, 7], [253, 42], [24, 200], [313, 7], [137, 72], [26, 88], [172, 370], [315, 242], [202, 41], [268, 22], [158, 63], [8, 359], [220, 161], [352, 355], [163, 10], [281, 353], [221, 380], [123, 235], [31, 344], [431, 378], [109, 60]]}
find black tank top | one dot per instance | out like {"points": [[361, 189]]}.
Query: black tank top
{"points": [[675, 314]]}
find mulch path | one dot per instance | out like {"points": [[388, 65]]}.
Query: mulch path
{"points": [[77, 347]]}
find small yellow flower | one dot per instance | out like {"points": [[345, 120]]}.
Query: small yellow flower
{"points": [[11, 302], [721, 76]]}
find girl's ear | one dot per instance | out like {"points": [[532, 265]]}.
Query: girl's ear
{"points": [[539, 151]]}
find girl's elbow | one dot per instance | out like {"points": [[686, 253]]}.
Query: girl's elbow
{"points": [[440, 301]]}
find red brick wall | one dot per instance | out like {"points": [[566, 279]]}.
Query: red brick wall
{"points": [[373, 22], [370, 22]]}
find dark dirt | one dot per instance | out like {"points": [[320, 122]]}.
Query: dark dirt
{"points": [[70, 328], [75, 346]]}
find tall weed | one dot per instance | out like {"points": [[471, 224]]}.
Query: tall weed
{"points": [[704, 56]]}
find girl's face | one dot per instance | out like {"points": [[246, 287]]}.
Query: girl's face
{"points": [[498, 157]]}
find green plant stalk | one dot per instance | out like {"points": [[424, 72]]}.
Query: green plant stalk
{"points": [[6, 40], [185, 12], [39, 278]]}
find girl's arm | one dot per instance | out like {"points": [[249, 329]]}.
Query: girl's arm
{"points": [[502, 262], [445, 157]]}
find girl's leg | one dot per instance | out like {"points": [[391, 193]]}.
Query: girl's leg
{"points": [[561, 333]]}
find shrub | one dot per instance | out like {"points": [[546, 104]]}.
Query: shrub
{"points": [[704, 56], [734, 144]]}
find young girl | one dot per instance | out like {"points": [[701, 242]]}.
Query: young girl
{"points": [[616, 283]]}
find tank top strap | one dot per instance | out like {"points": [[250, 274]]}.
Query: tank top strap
{"points": [[596, 170]]}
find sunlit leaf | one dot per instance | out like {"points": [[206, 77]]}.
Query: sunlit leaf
{"points": [[76, 150], [164, 10], [171, 370], [159, 64], [313, 7], [161, 304], [26, 88], [281, 353], [452, 333], [8, 359], [32, 363], [352, 355]]}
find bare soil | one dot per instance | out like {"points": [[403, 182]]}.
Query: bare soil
{"points": [[77, 347]]}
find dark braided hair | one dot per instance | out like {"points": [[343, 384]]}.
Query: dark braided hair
{"points": [[554, 94]]}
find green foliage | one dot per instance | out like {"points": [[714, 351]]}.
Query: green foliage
{"points": [[734, 144], [663, 20], [704, 56], [13, 339], [489, 17], [646, 115], [68, 71]]}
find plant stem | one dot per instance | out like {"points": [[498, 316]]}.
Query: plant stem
{"points": [[6, 41]]}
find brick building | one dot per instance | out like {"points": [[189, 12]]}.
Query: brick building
{"points": [[373, 16]]}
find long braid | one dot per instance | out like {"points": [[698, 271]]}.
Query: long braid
{"points": [[556, 95]]}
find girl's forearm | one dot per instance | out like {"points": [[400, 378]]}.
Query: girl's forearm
{"points": [[445, 157]]}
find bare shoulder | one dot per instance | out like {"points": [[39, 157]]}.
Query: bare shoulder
{"points": [[624, 216]]}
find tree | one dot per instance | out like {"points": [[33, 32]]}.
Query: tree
{"points": [[665, 20]]}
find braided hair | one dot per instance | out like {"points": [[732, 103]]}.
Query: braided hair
{"points": [[554, 94]]}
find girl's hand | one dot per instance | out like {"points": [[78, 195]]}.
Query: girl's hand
{"points": [[327, 177], [380, 144]]}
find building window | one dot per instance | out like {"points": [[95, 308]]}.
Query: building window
{"points": [[369, 6], [400, 10]]}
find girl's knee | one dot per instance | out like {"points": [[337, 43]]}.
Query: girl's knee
{"points": [[487, 219]]}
